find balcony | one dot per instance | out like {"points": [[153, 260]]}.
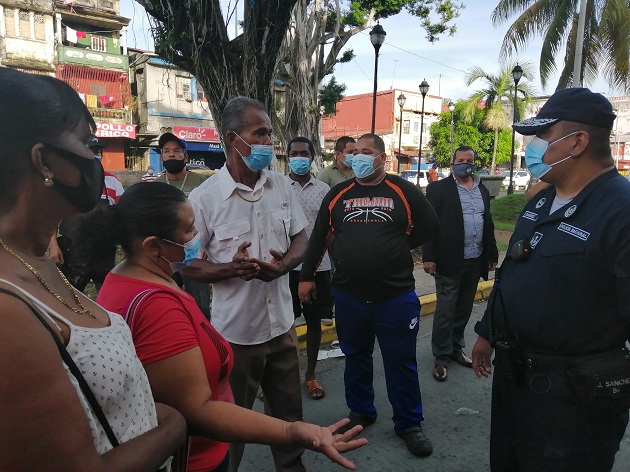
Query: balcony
{"points": [[87, 57], [109, 115]]}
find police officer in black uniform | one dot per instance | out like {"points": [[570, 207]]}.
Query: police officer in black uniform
{"points": [[562, 300]]}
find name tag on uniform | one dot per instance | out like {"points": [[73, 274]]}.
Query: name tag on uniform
{"points": [[530, 215], [574, 231]]}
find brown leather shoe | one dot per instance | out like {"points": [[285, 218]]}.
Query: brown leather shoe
{"points": [[439, 373], [462, 359]]}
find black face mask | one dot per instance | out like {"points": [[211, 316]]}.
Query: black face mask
{"points": [[86, 196], [174, 166]]}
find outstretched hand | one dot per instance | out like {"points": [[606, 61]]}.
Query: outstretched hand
{"points": [[271, 270], [321, 439]]}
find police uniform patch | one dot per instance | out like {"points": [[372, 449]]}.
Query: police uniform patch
{"points": [[574, 231], [540, 202], [570, 211], [530, 215], [535, 239]]}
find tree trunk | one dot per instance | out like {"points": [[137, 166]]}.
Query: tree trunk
{"points": [[493, 166], [244, 66]]}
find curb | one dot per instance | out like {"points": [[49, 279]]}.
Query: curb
{"points": [[329, 333]]}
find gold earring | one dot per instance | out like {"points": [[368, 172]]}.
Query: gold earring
{"points": [[48, 182]]}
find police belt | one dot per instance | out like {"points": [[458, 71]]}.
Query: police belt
{"points": [[546, 363], [539, 362]]}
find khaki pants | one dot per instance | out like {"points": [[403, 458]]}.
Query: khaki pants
{"points": [[274, 367]]}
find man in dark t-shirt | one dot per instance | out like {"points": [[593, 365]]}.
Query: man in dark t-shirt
{"points": [[373, 222]]}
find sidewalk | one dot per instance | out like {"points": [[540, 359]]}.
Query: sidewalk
{"points": [[425, 288]]}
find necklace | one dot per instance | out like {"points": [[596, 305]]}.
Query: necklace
{"points": [[262, 191], [183, 183], [80, 311]]}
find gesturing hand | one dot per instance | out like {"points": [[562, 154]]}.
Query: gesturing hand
{"points": [[273, 269], [321, 439], [242, 265]]}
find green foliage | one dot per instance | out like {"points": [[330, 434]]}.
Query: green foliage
{"points": [[506, 210], [330, 94], [606, 37], [473, 134], [436, 15]]}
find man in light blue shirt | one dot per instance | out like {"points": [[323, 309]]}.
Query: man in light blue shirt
{"points": [[465, 251]]}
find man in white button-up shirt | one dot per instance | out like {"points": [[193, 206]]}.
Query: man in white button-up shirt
{"points": [[252, 226]]}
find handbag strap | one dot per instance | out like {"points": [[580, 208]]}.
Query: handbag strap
{"points": [[67, 359]]}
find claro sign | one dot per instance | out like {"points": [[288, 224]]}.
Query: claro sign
{"points": [[115, 130], [193, 133]]}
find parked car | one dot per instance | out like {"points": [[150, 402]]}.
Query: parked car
{"points": [[412, 175], [520, 177]]}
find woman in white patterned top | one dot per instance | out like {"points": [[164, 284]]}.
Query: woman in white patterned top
{"points": [[48, 173]]}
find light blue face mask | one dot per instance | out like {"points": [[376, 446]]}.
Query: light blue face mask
{"points": [[348, 160], [191, 249], [534, 153], [260, 156], [300, 165], [363, 165]]}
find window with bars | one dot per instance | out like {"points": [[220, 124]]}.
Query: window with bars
{"points": [[182, 88], [98, 43], [28, 26], [25, 25], [415, 127], [40, 27], [9, 21]]}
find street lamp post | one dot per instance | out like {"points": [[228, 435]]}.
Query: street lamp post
{"points": [[424, 89], [517, 73], [451, 108], [377, 37], [401, 103]]}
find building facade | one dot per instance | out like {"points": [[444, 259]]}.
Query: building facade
{"points": [[354, 118], [170, 99], [27, 39]]}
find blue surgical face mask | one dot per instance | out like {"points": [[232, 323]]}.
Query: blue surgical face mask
{"points": [[463, 169], [300, 165], [348, 160], [260, 156], [363, 165], [534, 153], [191, 249]]}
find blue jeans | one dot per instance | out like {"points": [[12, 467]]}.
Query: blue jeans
{"points": [[394, 322]]}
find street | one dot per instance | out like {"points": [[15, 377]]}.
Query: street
{"points": [[460, 437]]}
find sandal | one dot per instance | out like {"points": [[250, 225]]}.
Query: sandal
{"points": [[315, 389]]}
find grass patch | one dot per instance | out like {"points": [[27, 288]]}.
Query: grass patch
{"points": [[506, 210]]}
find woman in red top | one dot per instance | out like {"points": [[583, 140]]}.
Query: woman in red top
{"points": [[187, 361]]}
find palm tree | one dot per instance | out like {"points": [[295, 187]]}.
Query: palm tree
{"points": [[606, 37], [498, 91]]}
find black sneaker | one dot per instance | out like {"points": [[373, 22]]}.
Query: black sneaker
{"points": [[355, 419], [415, 440]]}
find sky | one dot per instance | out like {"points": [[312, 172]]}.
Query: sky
{"points": [[407, 57]]}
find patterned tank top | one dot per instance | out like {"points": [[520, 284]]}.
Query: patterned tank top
{"points": [[107, 359]]}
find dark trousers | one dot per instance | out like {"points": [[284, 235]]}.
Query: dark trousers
{"points": [[455, 296], [394, 322], [201, 292], [547, 431], [274, 367]]}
